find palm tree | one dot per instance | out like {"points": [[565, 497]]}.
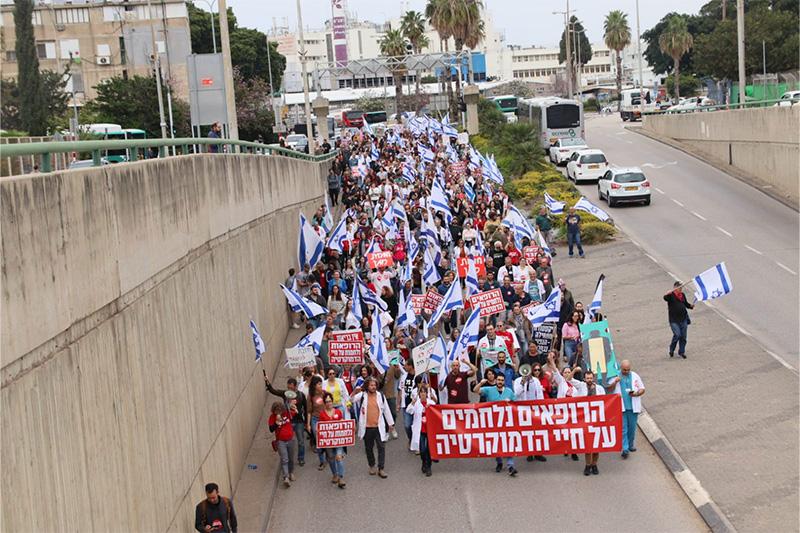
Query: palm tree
{"points": [[617, 36], [393, 46], [675, 41], [412, 25], [439, 14]]}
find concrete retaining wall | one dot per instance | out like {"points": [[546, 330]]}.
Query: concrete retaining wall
{"points": [[128, 373], [761, 142]]}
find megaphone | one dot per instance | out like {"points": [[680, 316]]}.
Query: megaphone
{"points": [[290, 394], [525, 370]]}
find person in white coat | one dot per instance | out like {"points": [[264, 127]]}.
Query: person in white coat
{"points": [[419, 440], [528, 388], [631, 387], [374, 415]]}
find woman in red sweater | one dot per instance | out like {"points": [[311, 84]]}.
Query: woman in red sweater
{"points": [[280, 423], [335, 456]]}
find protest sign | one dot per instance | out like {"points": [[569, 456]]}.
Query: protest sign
{"points": [[299, 357], [462, 264], [418, 302], [346, 347], [490, 302], [432, 300], [530, 253], [380, 259], [421, 355], [598, 349], [542, 336], [541, 427], [336, 433]]}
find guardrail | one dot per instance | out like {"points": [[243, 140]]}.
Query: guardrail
{"points": [[180, 146], [700, 109]]}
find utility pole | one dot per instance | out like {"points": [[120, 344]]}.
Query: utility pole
{"points": [[157, 67], [567, 37], [639, 54], [227, 72], [309, 128], [740, 41]]}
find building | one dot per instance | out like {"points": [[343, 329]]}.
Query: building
{"points": [[103, 39]]}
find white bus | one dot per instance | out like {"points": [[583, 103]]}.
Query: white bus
{"points": [[554, 118]]}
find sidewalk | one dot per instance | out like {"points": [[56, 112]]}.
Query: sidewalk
{"points": [[730, 409]]}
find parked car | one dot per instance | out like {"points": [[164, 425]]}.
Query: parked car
{"points": [[627, 184], [586, 165], [788, 99], [693, 103], [561, 150], [297, 141]]}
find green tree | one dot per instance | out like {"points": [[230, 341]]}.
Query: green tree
{"points": [[32, 113], [54, 102], [519, 145], [368, 104], [413, 27], [440, 15], [617, 35], [490, 119], [581, 47], [675, 41], [252, 108], [393, 46], [689, 84], [468, 31]]}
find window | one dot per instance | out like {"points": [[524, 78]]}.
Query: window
{"points": [[36, 18], [46, 49], [74, 15], [70, 49], [11, 55], [123, 58]]}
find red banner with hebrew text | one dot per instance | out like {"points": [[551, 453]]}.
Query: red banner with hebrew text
{"points": [[589, 424]]}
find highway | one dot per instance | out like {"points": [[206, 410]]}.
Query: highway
{"points": [[700, 216]]}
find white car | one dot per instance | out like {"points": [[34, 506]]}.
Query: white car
{"points": [[693, 103], [789, 99], [624, 185], [562, 149], [586, 165], [297, 141]]}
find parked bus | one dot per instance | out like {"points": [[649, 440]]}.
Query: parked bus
{"points": [[508, 105], [553, 117], [352, 118], [121, 155]]}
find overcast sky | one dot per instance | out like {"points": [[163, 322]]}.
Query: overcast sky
{"points": [[525, 22]]}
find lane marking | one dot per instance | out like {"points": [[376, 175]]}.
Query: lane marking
{"points": [[622, 133], [781, 360], [677, 202], [636, 244], [698, 215], [653, 259], [723, 231], [659, 190], [651, 165], [737, 326], [787, 269], [753, 250]]}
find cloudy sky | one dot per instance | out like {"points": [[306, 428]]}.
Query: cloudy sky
{"points": [[525, 22]]}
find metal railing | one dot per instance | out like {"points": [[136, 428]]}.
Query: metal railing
{"points": [[137, 149], [700, 109]]}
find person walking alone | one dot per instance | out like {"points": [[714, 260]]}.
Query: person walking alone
{"points": [[334, 185], [574, 232], [280, 423], [678, 318], [215, 513]]}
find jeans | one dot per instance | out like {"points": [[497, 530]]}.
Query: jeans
{"points": [[509, 461], [334, 193], [320, 452], [408, 421], [679, 331], [372, 437], [286, 451], [629, 420], [336, 461], [392, 402], [570, 350], [572, 239], [300, 435], [425, 452]]}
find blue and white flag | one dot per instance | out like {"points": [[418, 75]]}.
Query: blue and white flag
{"points": [[373, 246], [487, 189], [467, 338], [367, 128], [409, 174], [428, 230], [338, 236], [452, 300], [413, 246], [471, 279], [327, 220], [478, 248], [355, 309], [474, 159], [494, 173], [374, 153], [553, 205], [542, 243], [549, 311], [258, 342], [438, 200], [713, 283], [309, 244], [313, 339], [405, 311], [370, 298], [587, 206], [303, 305], [597, 301], [426, 153], [406, 274], [377, 349], [438, 357], [469, 192], [430, 274]]}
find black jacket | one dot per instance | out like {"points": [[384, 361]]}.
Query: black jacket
{"points": [[676, 307], [222, 515]]}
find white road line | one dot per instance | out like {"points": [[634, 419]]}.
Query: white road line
{"points": [[659, 191], [698, 215], [753, 250], [737, 326], [677, 202], [708, 304], [673, 276], [653, 259], [723, 231], [781, 360], [787, 269], [636, 244]]}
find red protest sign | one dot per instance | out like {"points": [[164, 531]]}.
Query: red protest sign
{"points": [[530, 253], [432, 300], [380, 259], [463, 265], [540, 427], [336, 433], [490, 302], [418, 302], [346, 347]]}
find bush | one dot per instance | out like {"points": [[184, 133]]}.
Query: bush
{"points": [[591, 105], [490, 119], [596, 231]]}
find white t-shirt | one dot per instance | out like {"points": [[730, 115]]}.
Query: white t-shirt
{"points": [[381, 280]]}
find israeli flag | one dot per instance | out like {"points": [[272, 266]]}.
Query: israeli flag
{"points": [[467, 338], [452, 300], [478, 248], [587, 206], [309, 245], [409, 174], [399, 211], [426, 153], [302, 305], [469, 192], [438, 357], [515, 221], [313, 339], [377, 349], [494, 172], [373, 246], [488, 190], [430, 274], [355, 308], [338, 236], [327, 220], [471, 279], [597, 300], [367, 128], [413, 247], [405, 274], [438, 200], [428, 230], [374, 153], [388, 220], [549, 311], [474, 159], [713, 283], [258, 342], [370, 298], [543, 243], [553, 205], [405, 314]]}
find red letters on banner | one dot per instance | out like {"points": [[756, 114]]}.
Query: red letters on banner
{"points": [[418, 303], [380, 259], [491, 302], [432, 300], [462, 264], [336, 433], [589, 424], [346, 347], [530, 253]]}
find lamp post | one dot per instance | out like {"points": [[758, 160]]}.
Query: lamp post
{"points": [[210, 5], [639, 53], [568, 69], [740, 42], [157, 68], [227, 71], [309, 129]]}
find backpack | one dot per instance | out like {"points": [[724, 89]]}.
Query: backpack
{"points": [[227, 503]]}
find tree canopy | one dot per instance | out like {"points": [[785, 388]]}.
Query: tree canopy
{"points": [[583, 54]]}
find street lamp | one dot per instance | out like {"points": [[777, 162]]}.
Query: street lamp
{"points": [[569, 47], [309, 130], [210, 4], [639, 53]]}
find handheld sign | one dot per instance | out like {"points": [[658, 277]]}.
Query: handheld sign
{"points": [[421, 355], [380, 259], [418, 302], [542, 336], [300, 356], [432, 300], [336, 433], [530, 253], [491, 302], [346, 347], [462, 264]]}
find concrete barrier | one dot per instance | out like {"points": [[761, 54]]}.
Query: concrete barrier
{"points": [[762, 143], [128, 372]]}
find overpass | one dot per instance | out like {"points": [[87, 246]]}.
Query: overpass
{"points": [[128, 374]]}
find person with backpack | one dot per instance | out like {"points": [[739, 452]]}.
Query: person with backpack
{"points": [[374, 415], [215, 513]]}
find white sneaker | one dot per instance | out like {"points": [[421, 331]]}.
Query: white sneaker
{"points": [[394, 434], [295, 326], [286, 482]]}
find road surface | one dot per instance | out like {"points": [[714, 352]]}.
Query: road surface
{"points": [[700, 216]]}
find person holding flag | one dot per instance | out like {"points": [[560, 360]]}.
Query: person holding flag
{"points": [[679, 320]]}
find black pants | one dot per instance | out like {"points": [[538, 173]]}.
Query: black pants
{"points": [[334, 196], [371, 437], [425, 452]]}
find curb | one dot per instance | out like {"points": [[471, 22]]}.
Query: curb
{"points": [[744, 177], [706, 507]]}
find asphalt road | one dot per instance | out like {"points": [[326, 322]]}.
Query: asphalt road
{"points": [[700, 216]]}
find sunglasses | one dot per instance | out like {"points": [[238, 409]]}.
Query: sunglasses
{"points": [[537, 370]]}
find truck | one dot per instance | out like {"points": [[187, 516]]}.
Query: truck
{"points": [[631, 105]]}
